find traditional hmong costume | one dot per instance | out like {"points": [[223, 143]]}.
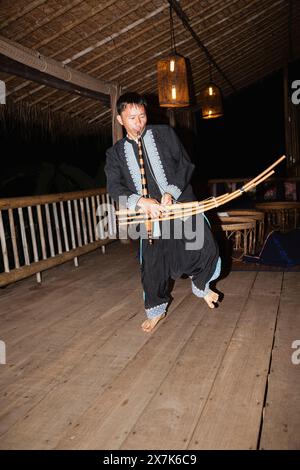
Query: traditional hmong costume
{"points": [[168, 169]]}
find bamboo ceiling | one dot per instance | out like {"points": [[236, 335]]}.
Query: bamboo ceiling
{"points": [[121, 41]]}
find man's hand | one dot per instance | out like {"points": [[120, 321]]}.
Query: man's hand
{"points": [[167, 199], [150, 207]]}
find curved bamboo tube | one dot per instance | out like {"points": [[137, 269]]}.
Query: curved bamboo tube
{"points": [[252, 183], [187, 209], [215, 200]]}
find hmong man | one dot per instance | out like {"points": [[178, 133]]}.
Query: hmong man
{"points": [[168, 171]]}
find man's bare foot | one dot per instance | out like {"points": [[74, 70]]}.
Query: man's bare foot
{"points": [[211, 298], [149, 324]]}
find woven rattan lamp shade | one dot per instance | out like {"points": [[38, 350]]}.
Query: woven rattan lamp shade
{"points": [[172, 80], [211, 102]]}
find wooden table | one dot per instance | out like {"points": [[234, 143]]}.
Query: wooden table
{"points": [[258, 216], [239, 230]]}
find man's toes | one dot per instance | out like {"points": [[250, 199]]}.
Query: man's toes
{"points": [[209, 299], [213, 296], [146, 325]]}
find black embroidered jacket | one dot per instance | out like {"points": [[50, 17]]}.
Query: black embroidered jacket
{"points": [[167, 165]]}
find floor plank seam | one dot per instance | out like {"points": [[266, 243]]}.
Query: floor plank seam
{"points": [[167, 373], [256, 302], [59, 382], [116, 377], [220, 365], [264, 404]]}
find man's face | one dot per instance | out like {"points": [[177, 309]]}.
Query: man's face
{"points": [[134, 119]]}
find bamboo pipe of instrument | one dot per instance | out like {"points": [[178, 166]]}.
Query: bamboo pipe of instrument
{"points": [[177, 208], [197, 209], [250, 185], [266, 171], [217, 200], [239, 192], [184, 213], [245, 188], [214, 202], [187, 212], [127, 212]]}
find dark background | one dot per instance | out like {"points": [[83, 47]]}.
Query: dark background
{"points": [[250, 136]]}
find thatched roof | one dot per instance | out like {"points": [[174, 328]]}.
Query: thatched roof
{"points": [[121, 41]]}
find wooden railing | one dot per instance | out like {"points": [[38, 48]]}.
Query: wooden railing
{"points": [[40, 232]]}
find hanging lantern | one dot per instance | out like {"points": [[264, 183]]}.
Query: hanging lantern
{"points": [[173, 89], [211, 102]]}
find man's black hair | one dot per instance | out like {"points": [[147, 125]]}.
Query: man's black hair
{"points": [[130, 98]]}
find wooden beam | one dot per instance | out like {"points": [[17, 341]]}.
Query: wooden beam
{"points": [[109, 38], [171, 116], [162, 38], [11, 66], [186, 43], [30, 64], [290, 126], [117, 129], [120, 43]]}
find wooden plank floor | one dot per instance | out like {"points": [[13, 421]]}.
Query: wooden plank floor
{"points": [[81, 374], [282, 413]]}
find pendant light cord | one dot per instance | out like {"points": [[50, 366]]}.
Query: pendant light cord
{"points": [[173, 46]]}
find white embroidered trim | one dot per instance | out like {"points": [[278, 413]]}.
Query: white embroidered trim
{"points": [[133, 166], [173, 190], [132, 201], [155, 311], [199, 292], [155, 160], [156, 165], [216, 274]]}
